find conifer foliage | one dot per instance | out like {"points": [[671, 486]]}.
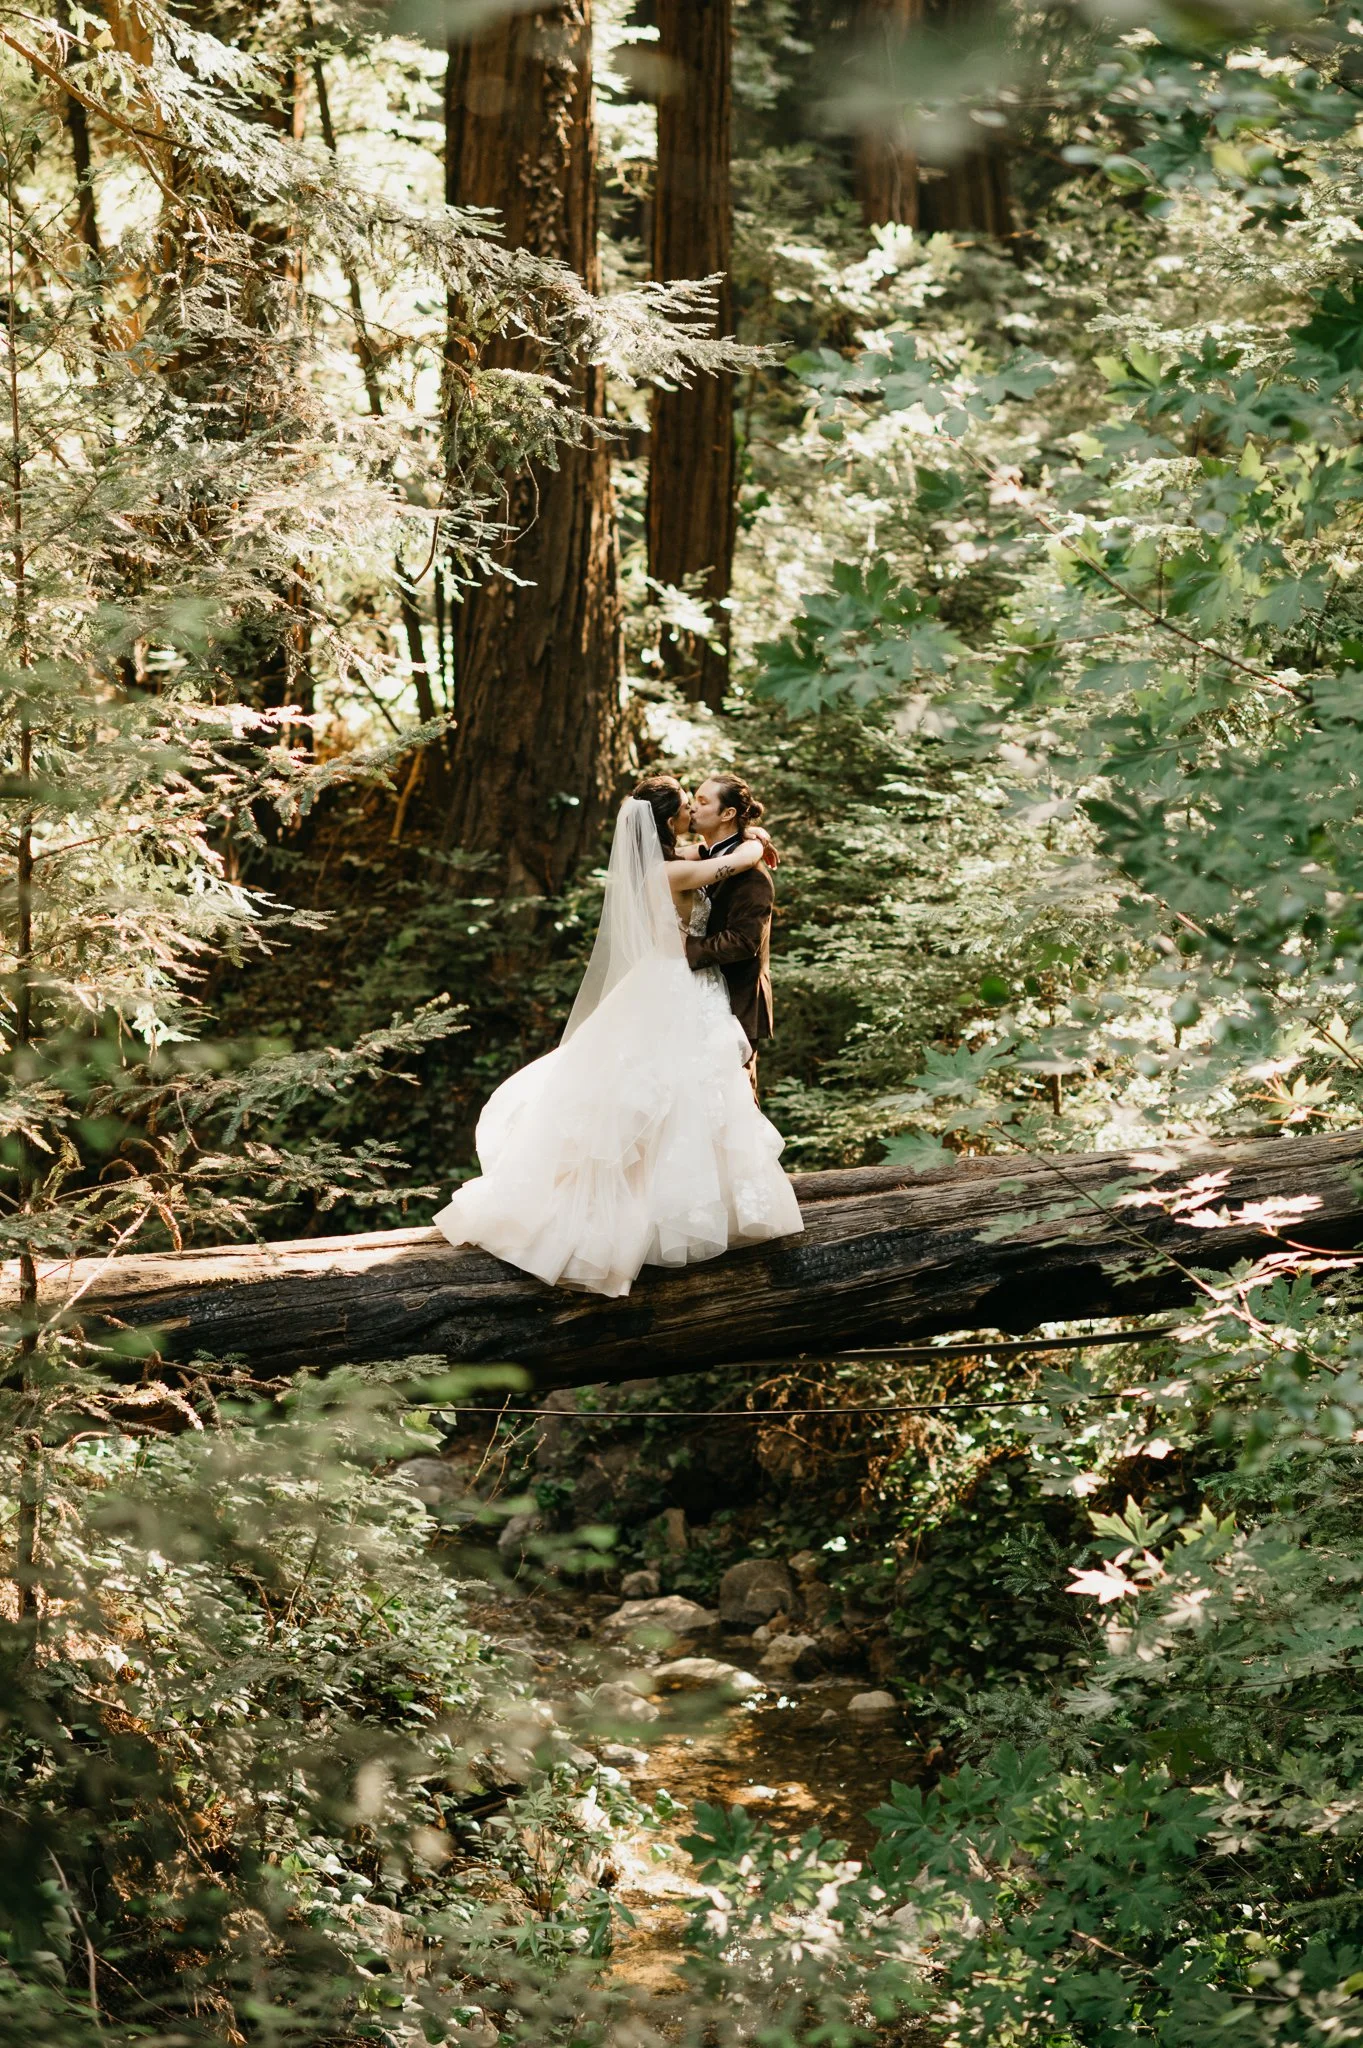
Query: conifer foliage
{"points": [[1046, 648]]}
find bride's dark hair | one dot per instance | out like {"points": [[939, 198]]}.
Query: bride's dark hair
{"points": [[663, 793]]}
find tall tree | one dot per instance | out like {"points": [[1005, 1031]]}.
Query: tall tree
{"points": [[78, 128], [970, 194], [536, 652], [887, 173], [692, 466]]}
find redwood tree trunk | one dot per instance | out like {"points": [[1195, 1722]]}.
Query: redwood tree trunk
{"points": [[971, 197], [968, 196], [887, 175], [691, 477], [537, 662]]}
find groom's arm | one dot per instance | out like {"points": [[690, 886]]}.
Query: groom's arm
{"points": [[741, 939]]}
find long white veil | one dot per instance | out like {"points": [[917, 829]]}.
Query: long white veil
{"points": [[638, 916]]}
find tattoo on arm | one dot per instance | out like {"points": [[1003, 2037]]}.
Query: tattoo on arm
{"points": [[722, 872]]}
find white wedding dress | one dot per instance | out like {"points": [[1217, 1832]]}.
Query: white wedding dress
{"points": [[637, 1140]]}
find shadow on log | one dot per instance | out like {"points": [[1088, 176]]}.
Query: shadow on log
{"points": [[886, 1258]]}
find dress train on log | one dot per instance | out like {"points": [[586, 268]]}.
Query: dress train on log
{"points": [[637, 1141]]}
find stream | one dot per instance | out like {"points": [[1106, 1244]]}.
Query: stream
{"points": [[794, 1753]]}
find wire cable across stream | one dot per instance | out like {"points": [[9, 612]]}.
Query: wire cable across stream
{"points": [[927, 1351]]}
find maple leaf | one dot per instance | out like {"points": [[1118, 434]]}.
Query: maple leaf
{"points": [[1108, 1584]]}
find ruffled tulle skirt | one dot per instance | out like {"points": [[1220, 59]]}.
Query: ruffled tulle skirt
{"points": [[637, 1142]]}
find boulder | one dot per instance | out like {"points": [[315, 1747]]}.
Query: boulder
{"points": [[479, 2033], [549, 1431], [842, 1651], [436, 1484], [908, 1919], [752, 1592], [872, 1703], [620, 1702], [386, 1933], [666, 1620], [643, 1585], [427, 1475], [507, 1763], [805, 1564], [568, 1752], [514, 1539], [882, 1657], [622, 1757], [602, 1478], [637, 1681], [685, 1673], [787, 1657], [815, 1599]]}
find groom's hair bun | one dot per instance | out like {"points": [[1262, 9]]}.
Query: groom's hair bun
{"points": [[664, 794], [735, 795]]}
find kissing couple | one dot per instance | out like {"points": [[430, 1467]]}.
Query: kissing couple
{"points": [[638, 1140]]}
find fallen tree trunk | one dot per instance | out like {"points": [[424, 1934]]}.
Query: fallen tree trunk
{"points": [[885, 1258]]}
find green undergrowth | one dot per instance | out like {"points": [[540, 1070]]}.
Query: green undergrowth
{"points": [[262, 1778], [1137, 1818]]}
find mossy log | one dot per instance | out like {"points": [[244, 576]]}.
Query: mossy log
{"points": [[886, 1257]]}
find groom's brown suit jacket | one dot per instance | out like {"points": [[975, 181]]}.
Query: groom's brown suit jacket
{"points": [[738, 942]]}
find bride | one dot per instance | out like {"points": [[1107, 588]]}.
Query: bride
{"points": [[637, 1141]]}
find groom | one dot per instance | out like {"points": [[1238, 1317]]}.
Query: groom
{"points": [[738, 939]]}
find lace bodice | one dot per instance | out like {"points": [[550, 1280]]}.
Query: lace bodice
{"points": [[696, 925]]}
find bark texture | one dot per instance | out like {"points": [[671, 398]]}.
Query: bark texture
{"points": [[968, 196], [887, 175], [78, 128], [537, 661], [997, 1244], [692, 470]]}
